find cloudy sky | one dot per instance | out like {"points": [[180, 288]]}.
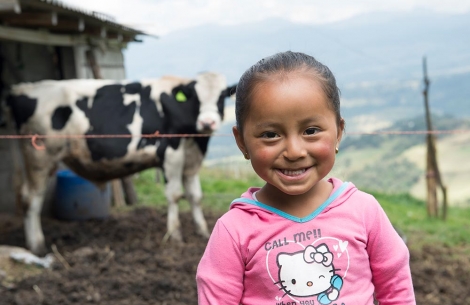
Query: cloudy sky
{"points": [[159, 17]]}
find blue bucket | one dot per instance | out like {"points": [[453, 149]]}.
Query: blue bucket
{"points": [[79, 199]]}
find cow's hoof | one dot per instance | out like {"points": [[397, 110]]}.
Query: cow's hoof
{"points": [[174, 237], [39, 250], [204, 235]]}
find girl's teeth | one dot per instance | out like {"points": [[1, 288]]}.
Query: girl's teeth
{"points": [[293, 173]]}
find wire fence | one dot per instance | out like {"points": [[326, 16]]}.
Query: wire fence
{"points": [[35, 137]]}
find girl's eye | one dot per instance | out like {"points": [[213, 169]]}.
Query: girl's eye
{"points": [[269, 135], [311, 131], [293, 281]]}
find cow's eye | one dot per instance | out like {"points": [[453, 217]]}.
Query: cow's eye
{"points": [[312, 131], [269, 135]]}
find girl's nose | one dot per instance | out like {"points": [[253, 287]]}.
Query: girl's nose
{"points": [[294, 148]]}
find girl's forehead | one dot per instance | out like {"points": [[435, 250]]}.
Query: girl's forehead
{"points": [[291, 78], [288, 85], [298, 97]]}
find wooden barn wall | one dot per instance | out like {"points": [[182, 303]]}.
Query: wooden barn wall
{"points": [[23, 62], [109, 60]]}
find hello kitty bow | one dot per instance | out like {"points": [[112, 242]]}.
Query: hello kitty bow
{"points": [[311, 254]]}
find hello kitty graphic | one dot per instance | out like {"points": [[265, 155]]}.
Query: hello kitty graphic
{"points": [[310, 273]]}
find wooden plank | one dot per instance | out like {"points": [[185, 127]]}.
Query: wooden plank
{"points": [[118, 193], [46, 38], [28, 18], [40, 37], [129, 190], [51, 21]]}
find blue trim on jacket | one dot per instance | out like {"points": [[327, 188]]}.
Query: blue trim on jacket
{"points": [[315, 213]]}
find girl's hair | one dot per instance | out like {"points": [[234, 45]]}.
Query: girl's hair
{"points": [[279, 65]]}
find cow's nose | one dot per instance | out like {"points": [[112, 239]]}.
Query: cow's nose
{"points": [[309, 284], [208, 125]]}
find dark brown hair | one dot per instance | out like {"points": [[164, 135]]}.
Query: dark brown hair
{"points": [[279, 65]]}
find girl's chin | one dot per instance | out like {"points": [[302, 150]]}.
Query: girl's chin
{"points": [[291, 190]]}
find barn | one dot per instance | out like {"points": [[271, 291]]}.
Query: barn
{"points": [[47, 39]]}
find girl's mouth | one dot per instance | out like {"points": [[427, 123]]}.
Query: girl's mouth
{"points": [[293, 173]]}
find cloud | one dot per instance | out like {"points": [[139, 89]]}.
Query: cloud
{"points": [[160, 17]]}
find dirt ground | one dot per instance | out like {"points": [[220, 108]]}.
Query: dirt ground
{"points": [[122, 260]]}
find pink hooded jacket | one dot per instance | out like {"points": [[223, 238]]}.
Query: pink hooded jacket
{"points": [[340, 254]]}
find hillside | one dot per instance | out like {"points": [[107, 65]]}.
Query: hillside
{"points": [[396, 163], [377, 59], [386, 163]]}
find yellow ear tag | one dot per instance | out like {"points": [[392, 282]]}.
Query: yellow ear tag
{"points": [[180, 97]]}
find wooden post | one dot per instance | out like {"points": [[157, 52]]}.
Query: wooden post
{"points": [[433, 176], [430, 173], [118, 195], [95, 69], [129, 190]]}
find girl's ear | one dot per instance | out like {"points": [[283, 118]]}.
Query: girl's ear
{"points": [[239, 139], [341, 126]]}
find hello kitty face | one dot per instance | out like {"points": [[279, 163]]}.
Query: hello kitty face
{"points": [[306, 273]]}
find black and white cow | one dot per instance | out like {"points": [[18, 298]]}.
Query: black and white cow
{"points": [[169, 105]]}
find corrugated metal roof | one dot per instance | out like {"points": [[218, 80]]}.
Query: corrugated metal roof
{"points": [[100, 16], [70, 10]]}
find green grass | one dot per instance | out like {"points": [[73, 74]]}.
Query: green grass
{"points": [[218, 189], [405, 212], [410, 215]]}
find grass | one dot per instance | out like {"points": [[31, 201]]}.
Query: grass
{"points": [[410, 215], [218, 189], [405, 212]]}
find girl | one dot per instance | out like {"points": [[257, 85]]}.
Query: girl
{"points": [[301, 238]]}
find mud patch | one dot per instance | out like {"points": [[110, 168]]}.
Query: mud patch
{"points": [[122, 260]]}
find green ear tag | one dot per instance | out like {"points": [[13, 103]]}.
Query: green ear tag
{"points": [[180, 97]]}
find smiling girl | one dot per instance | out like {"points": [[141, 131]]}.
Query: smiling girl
{"points": [[301, 238]]}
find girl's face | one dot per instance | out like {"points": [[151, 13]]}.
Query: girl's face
{"points": [[290, 133]]}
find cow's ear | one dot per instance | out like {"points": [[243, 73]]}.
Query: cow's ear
{"points": [[180, 97], [183, 93], [221, 105], [231, 90]]}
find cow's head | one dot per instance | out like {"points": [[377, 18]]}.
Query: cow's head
{"points": [[197, 106], [211, 89]]}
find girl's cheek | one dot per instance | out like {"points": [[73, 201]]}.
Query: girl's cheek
{"points": [[325, 149], [262, 154]]}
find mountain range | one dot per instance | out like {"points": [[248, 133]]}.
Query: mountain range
{"points": [[376, 58]]}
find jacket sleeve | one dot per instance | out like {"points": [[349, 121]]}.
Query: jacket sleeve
{"points": [[220, 272], [389, 261]]}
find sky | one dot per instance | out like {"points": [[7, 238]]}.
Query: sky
{"points": [[160, 17]]}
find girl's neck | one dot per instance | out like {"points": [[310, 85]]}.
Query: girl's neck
{"points": [[296, 205]]}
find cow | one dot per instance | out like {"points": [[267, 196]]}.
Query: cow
{"points": [[71, 114]]}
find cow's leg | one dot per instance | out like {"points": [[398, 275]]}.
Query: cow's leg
{"points": [[33, 193], [193, 193], [173, 169], [39, 165]]}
